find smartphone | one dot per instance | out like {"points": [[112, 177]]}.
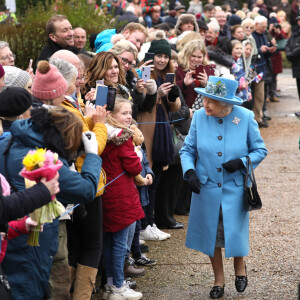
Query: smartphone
{"points": [[30, 64], [170, 77], [101, 95], [111, 98], [199, 69], [149, 56], [146, 72]]}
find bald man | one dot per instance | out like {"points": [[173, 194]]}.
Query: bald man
{"points": [[74, 60]]}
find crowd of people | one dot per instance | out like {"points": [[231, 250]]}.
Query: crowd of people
{"points": [[120, 161]]}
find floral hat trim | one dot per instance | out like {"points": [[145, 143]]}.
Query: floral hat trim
{"points": [[218, 89]]}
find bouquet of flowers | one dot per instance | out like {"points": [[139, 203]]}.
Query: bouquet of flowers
{"points": [[38, 164]]}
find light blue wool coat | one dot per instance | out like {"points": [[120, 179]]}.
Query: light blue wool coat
{"points": [[212, 141]]}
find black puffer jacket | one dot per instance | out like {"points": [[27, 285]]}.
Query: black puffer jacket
{"points": [[220, 57], [292, 49]]}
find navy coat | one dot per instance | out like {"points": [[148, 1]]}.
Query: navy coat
{"points": [[28, 268], [211, 142]]}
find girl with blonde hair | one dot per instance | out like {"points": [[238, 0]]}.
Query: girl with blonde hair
{"points": [[192, 55]]}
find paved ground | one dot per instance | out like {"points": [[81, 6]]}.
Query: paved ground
{"points": [[273, 264]]}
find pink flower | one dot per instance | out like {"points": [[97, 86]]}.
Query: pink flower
{"points": [[49, 158]]}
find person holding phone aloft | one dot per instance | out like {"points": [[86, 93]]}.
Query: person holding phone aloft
{"points": [[192, 55], [143, 92], [158, 136]]}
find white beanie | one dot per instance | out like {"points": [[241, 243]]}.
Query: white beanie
{"points": [[15, 77]]}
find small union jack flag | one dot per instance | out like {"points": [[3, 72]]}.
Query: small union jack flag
{"points": [[258, 77]]}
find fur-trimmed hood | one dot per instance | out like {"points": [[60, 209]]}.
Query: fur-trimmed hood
{"points": [[184, 19], [219, 56], [118, 135]]}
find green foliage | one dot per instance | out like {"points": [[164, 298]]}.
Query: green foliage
{"points": [[28, 40]]}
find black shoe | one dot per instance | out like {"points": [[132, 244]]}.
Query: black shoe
{"points": [[241, 282], [263, 124], [266, 118], [144, 248], [178, 225], [217, 292]]}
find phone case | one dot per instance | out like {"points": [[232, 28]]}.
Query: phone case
{"points": [[170, 77], [149, 56], [101, 95], [146, 71]]}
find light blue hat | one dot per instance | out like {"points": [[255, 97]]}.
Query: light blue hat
{"points": [[221, 89]]}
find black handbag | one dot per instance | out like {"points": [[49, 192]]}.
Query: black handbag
{"points": [[178, 140], [251, 197]]}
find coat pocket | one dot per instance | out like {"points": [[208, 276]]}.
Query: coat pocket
{"points": [[239, 180]]}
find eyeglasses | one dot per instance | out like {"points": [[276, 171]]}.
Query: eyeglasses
{"points": [[11, 56], [125, 61], [249, 27]]}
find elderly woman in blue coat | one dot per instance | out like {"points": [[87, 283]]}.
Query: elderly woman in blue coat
{"points": [[213, 160]]}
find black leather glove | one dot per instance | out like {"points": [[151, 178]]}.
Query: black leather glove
{"points": [[233, 165], [193, 181], [174, 93]]}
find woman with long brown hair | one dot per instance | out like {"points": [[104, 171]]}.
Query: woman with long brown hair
{"points": [[158, 134], [106, 66]]}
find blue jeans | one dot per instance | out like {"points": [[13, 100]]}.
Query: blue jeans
{"points": [[148, 20], [130, 236], [115, 247]]}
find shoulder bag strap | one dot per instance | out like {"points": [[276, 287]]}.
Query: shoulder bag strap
{"points": [[247, 172]]}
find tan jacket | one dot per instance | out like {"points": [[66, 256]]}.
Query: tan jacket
{"points": [[148, 129]]}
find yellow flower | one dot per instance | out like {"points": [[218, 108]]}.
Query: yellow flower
{"points": [[34, 159]]}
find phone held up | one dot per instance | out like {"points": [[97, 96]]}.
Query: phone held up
{"points": [[146, 73], [105, 95], [170, 77], [149, 56], [209, 70]]}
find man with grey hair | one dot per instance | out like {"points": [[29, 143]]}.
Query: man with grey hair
{"points": [[265, 51], [212, 34], [7, 58]]}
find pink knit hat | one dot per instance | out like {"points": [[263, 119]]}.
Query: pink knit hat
{"points": [[48, 82]]}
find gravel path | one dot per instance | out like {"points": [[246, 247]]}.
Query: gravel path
{"points": [[273, 263]]}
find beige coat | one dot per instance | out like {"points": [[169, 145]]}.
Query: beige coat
{"points": [[148, 129]]}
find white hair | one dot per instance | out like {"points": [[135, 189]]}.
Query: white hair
{"points": [[3, 45], [214, 25], [260, 19], [67, 70]]}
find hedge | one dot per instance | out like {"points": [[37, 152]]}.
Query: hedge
{"points": [[27, 40]]}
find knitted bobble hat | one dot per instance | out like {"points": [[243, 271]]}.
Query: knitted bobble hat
{"points": [[14, 101], [2, 72], [48, 82], [160, 47], [15, 77]]}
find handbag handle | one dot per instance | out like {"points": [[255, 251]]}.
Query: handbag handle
{"points": [[250, 173]]}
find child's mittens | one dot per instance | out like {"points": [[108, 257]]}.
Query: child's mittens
{"points": [[242, 83]]}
